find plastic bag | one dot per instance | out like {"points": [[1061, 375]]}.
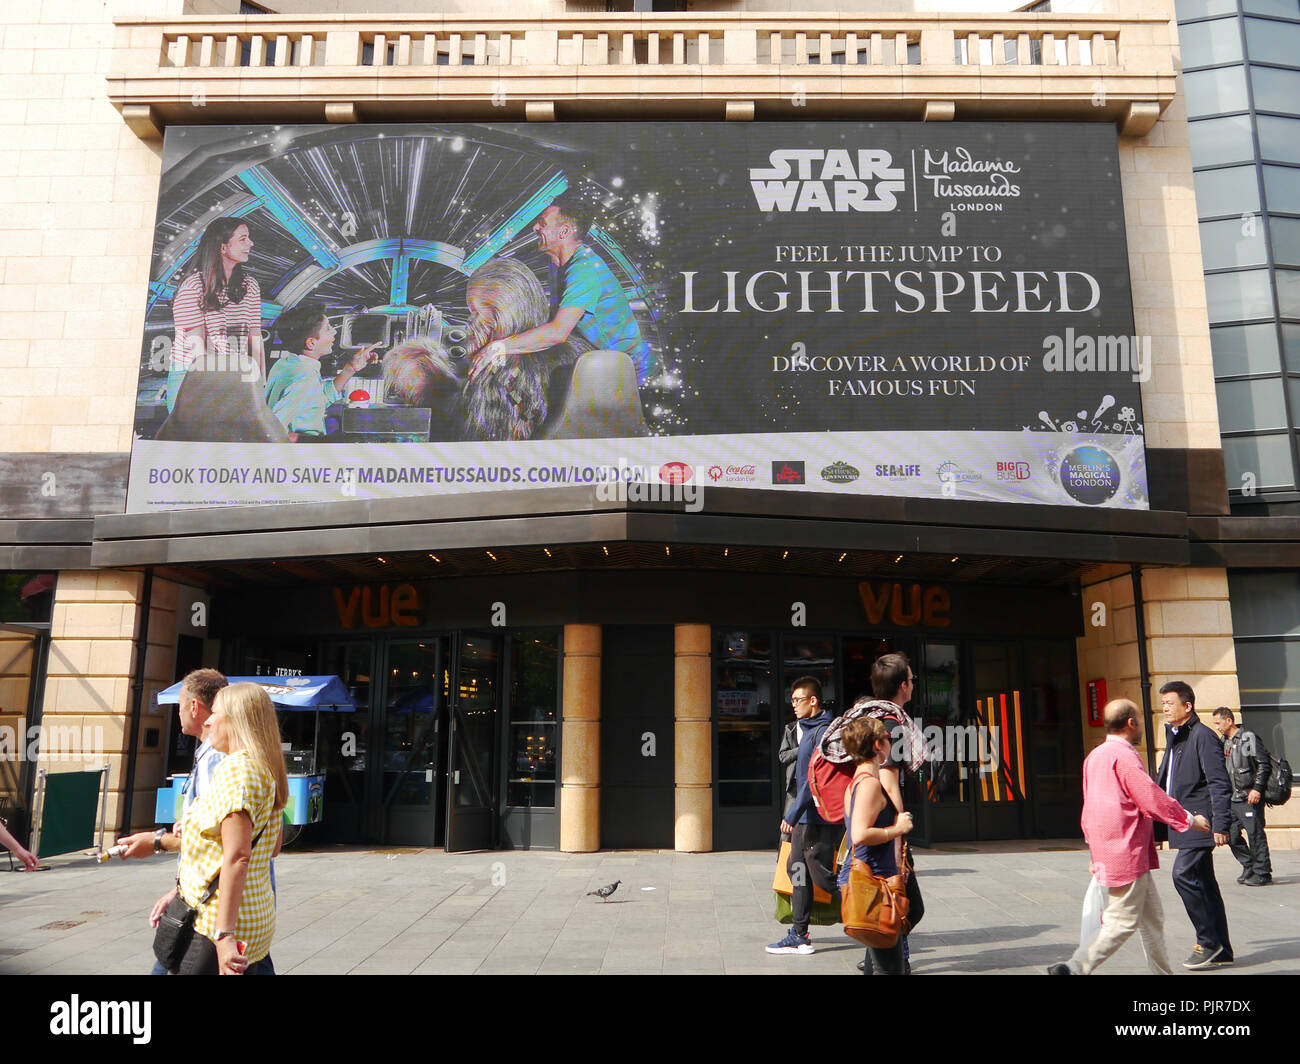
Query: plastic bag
{"points": [[1094, 901]]}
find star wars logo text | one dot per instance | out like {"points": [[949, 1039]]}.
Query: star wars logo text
{"points": [[834, 180]]}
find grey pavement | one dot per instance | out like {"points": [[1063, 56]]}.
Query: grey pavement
{"points": [[1006, 909]]}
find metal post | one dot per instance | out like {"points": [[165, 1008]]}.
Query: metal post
{"points": [[137, 701], [39, 812], [103, 803], [1144, 673]]}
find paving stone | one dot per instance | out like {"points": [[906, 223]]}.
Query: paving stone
{"points": [[1005, 909]]}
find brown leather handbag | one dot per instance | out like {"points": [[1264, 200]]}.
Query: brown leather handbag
{"points": [[874, 910]]}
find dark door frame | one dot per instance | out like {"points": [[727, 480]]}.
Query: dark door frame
{"points": [[477, 840]]}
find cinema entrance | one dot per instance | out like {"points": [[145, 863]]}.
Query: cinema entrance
{"points": [[454, 741], [1000, 715]]}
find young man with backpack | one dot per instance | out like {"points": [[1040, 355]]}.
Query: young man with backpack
{"points": [[1248, 772], [813, 840]]}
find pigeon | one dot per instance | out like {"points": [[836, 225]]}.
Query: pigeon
{"points": [[603, 893]]}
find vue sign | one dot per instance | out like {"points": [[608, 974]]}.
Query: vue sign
{"points": [[907, 605], [381, 607]]}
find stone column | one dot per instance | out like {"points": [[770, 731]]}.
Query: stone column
{"points": [[86, 717], [692, 741], [580, 740]]}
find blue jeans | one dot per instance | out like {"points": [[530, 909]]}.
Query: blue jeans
{"points": [[262, 967]]}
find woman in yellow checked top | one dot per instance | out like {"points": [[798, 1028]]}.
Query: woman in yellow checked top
{"points": [[231, 832]]}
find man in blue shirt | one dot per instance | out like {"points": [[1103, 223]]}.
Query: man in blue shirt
{"points": [[591, 299], [813, 841], [198, 690]]}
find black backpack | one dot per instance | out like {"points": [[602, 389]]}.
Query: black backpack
{"points": [[1278, 789]]}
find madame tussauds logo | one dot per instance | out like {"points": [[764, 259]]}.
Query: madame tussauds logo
{"points": [[834, 180]]}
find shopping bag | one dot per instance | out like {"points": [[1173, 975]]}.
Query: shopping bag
{"points": [[1094, 901], [781, 878], [825, 910]]}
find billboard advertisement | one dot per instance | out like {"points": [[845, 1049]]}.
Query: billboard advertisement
{"points": [[377, 311]]}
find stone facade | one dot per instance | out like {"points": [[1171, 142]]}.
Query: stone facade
{"points": [[79, 187]]}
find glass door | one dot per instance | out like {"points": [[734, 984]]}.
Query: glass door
{"points": [[416, 681], [997, 713], [951, 770], [345, 754], [475, 706], [1054, 739], [749, 803]]}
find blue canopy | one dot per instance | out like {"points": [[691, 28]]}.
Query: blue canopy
{"points": [[288, 692]]}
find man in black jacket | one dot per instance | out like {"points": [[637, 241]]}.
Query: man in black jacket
{"points": [[788, 756], [813, 841], [1193, 774], [1248, 770]]}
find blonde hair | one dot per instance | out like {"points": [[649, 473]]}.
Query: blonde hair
{"points": [[250, 716]]}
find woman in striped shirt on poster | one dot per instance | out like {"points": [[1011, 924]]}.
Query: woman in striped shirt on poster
{"points": [[217, 309]]}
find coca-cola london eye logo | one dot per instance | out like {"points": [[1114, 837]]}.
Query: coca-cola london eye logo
{"points": [[1090, 475]]}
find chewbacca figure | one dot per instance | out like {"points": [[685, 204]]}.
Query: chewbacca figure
{"points": [[512, 402], [419, 373]]}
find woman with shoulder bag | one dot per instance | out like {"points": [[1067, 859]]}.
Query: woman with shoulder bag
{"points": [[231, 833], [872, 823]]}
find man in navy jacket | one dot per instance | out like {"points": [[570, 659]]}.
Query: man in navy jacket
{"points": [[1193, 774], [814, 841]]}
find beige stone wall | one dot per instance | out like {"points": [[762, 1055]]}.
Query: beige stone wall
{"points": [[78, 194], [88, 687], [543, 7], [1189, 638], [16, 653], [1178, 402], [88, 693], [523, 8]]}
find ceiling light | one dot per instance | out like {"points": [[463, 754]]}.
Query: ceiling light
{"points": [[898, 559], [605, 549], [436, 558], [844, 555], [548, 551], [785, 555], [491, 555]]}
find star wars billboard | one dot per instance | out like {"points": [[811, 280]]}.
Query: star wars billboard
{"points": [[374, 311]]}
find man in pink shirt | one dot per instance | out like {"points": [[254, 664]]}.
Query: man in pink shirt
{"points": [[1120, 801]]}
